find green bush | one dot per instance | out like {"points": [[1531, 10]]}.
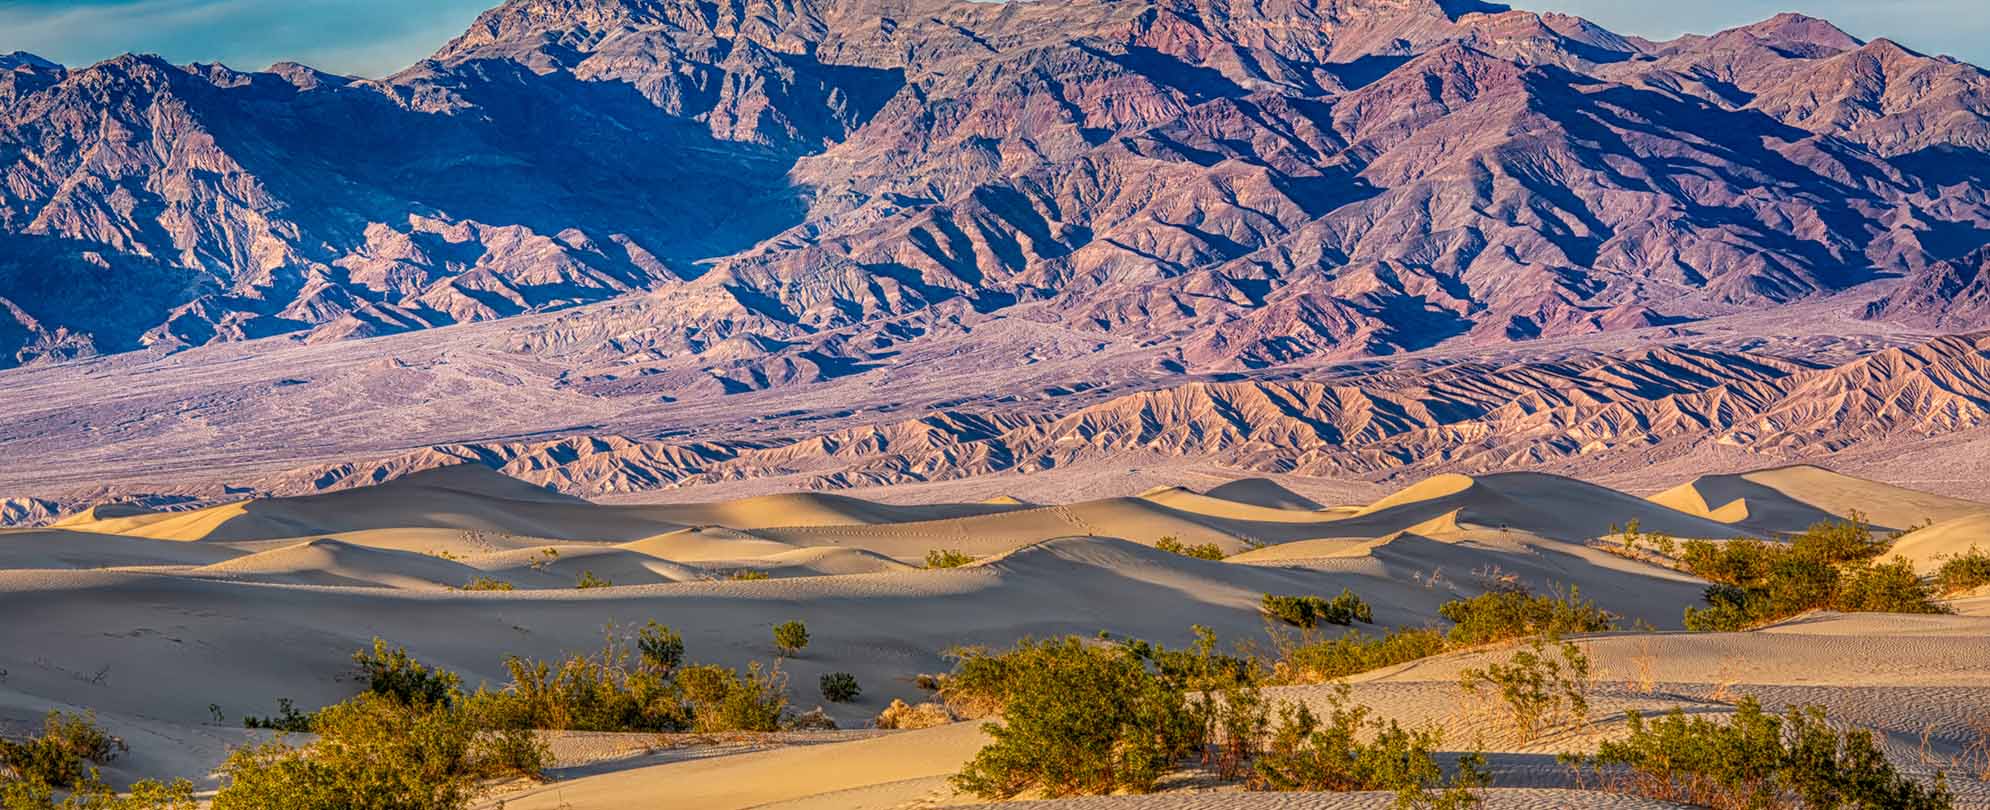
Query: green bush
{"points": [[790, 638], [612, 689], [1318, 661], [62, 755], [1512, 613], [287, 718], [1828, 567], [749, 575], [1757, 760], [588, 581], [1311, 611], [488, 584], [662, 649], [93, 794], [947, 558], [724, 700], [1890, 587], [396, 674], [840, 687], [376, 753], [1540, 687], [1202, 551], [1964, 572], [1077, 719], [1351, 752]]}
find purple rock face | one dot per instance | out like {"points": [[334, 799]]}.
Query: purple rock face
{"points": [[1257, 184]]}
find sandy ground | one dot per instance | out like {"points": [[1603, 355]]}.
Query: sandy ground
{"points": [[159, 622]]}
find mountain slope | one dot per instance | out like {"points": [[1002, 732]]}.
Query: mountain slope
{"points": [[1253, 186]]}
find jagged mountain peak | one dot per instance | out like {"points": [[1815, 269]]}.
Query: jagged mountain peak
{"points": [[19, 60], [1799, 33]]}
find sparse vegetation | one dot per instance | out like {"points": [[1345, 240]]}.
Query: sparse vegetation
{"points": [[1114, 716], [749, 575], [722, 699], [1964, 572], [1539, 687], [1305, 753], [906, 716], [1311, 611], [1308, 660], [947, 558], [840, 687], [1200, 551], [287, 718], [1757, 761], [488, 584], [1077, 719], [790, 638], [376, 752], [1828, 567], [1514, 612], [63, 755], [93, 794], [589, 581]]}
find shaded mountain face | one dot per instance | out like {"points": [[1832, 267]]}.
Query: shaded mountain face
{"points": [[799, 189]]}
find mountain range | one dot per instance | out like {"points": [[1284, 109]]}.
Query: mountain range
{"points": [[1250, 201]]}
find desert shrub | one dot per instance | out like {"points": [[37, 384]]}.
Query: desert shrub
{"points": [[612, 689], [749, 575], [906, 716], [372, 753], [1511, 613], [488, 584], [1890, 587], [1077, 719], [396, 674], [1310, 660], [840, 687], [947, 558], [588, 581], [1838, 541], [812, 720], [1311, 611], [1539, 687], [661, 648], [93, 794], [1828, 567], [1757, 760], [62, 755], [287, 718], [790, 638], [1201, 551], [1349, 751], [722, 699], [1964, 572]]}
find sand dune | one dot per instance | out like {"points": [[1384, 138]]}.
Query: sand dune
{"points": [[1547, 505], [466, 497], [813, 509], [332, 562], [1928, 547], [61, 548], [1262, 492], [150, 632], [1789, 499]]}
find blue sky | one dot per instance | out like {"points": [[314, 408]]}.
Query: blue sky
{"points": [[376, 37]]}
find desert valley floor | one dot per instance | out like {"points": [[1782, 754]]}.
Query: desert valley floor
{"points": [[173, 625]]}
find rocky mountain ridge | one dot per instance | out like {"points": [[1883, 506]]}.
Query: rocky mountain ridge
{"points": [[812, 184]]}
